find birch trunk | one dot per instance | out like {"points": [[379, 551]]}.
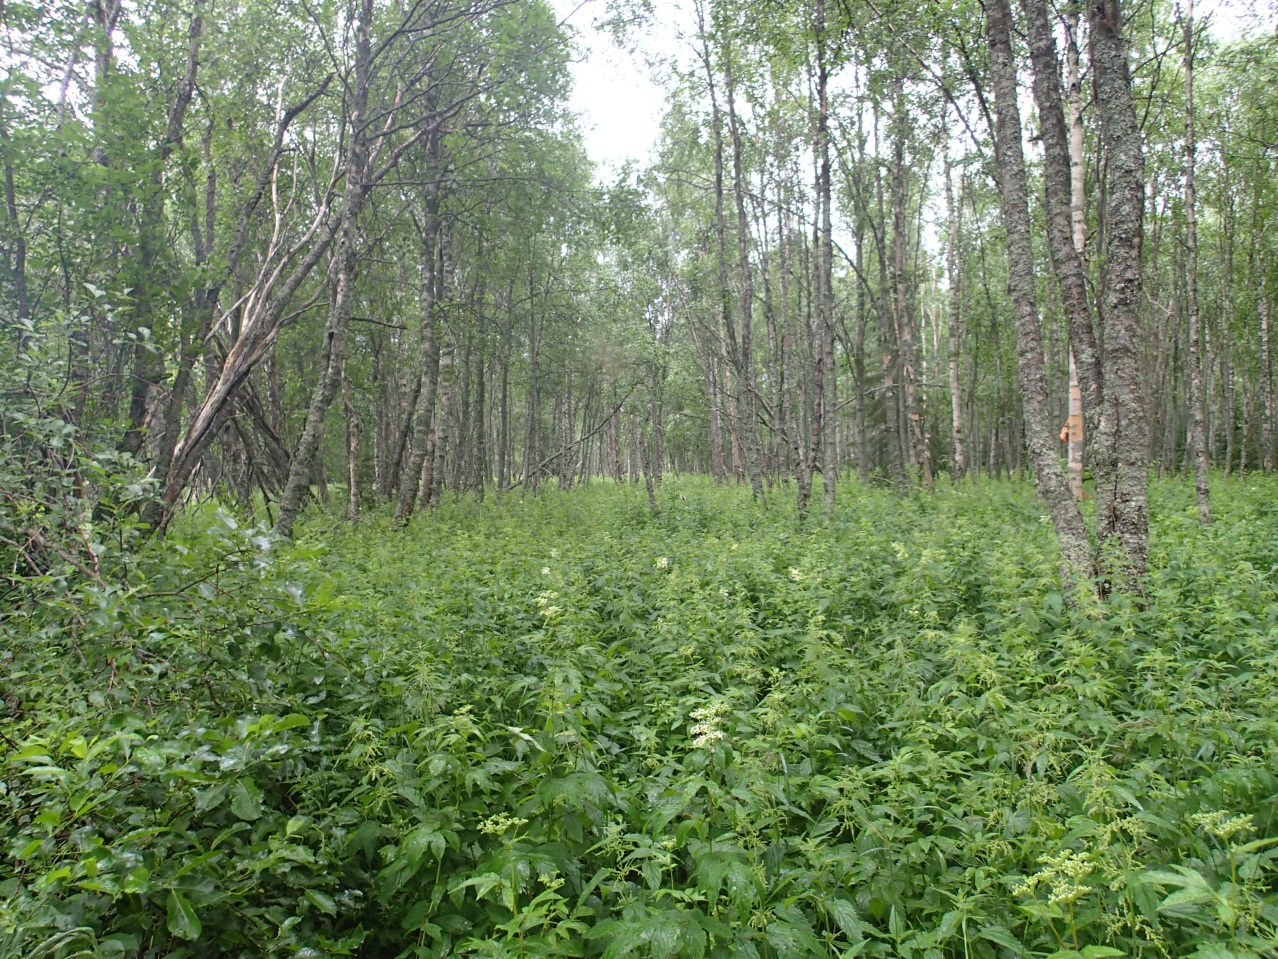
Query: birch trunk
{"points": [[424, 412], [825, 289], [1120, 463], [1063, 204], [902, 300], [958, 458], [1051, 483], [745, 369], [1197, 412], [333, 355]]}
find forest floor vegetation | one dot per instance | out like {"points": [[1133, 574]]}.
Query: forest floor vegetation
{"points": [[570, 725]]}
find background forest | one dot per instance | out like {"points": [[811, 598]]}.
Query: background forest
{"points": [[416, 541], [367, 248]]}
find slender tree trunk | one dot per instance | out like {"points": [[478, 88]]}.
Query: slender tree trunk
{"points": [[887, 339], [16, 240], [148, 363], [1078, 432], [432, 488], [902, 300], [825, 269], [1197, 412], [532, 434], [352, 453], [479, 462], [333, 355], [428, 360], [798, 401], [1266, 384], [745, 374], [1063, 183], [505, 455], [958, 456], [400, 445]]}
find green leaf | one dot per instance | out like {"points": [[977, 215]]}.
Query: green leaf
{"points": [[790, 941], [844, 915], [1213, 950], [1001, 937], [291, 721], [183, 922], [119, 944], [323, 902], [482, 884], [246, 800]]}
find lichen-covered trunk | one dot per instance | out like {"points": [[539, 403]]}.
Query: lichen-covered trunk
{"points": [[1120, 462], [1050, 480]]}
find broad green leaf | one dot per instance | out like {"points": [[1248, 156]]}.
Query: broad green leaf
{"points": [[322, 901], [246, 800], [183, 922]]}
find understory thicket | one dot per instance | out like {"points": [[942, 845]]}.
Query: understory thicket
{"points": [[571, 725]]}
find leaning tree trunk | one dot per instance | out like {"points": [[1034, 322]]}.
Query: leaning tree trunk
{"points": [[1051, 482], [332, 358], [1266, 385]]}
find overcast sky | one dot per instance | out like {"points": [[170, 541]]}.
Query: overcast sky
{"points": [[613, 91], [621, 105]]}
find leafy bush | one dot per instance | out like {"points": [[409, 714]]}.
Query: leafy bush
{"points": [[568, 726]]}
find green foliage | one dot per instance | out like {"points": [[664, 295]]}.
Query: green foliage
{"points": [[66, 497], [572, 726]]}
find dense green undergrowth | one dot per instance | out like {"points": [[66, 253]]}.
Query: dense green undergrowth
{"points": [[568, 726]]}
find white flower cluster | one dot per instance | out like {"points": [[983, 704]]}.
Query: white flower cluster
{"points": [[496, 825], [1064, 874], [706, 732], [663, 562], [1222, 825], [544, 601]]}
